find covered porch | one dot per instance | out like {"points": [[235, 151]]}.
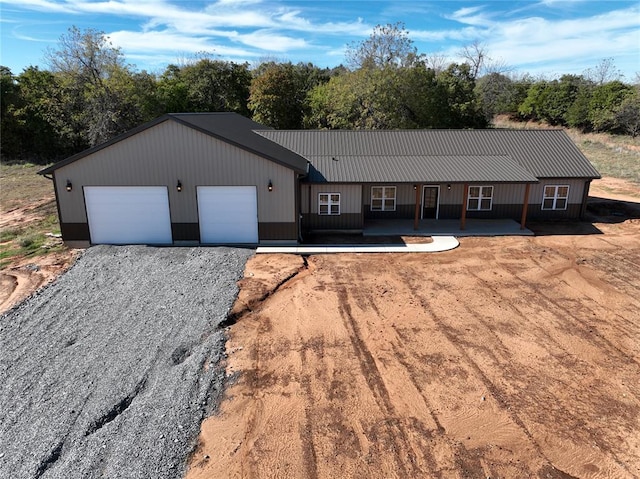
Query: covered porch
{"points": [[432, 227]]}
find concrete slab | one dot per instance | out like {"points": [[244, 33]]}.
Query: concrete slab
{"points": [[439, 243], [474, 227]]}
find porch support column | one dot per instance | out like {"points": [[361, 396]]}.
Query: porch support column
{"points": [[463, 219], [416, 218], [525, 206]]}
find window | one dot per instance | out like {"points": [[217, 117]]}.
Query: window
{"points": [[480, 198], [555, 197], [383, 198], [329, 204]]}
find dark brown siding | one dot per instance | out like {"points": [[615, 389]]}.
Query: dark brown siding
{"points": [[345, 221], [278, 231], [512, 211], [185, 231], [402, 211], [572, 212], [75, 231]]}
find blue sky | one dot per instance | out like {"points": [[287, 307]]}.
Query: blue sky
{"points": [[547, 37]]}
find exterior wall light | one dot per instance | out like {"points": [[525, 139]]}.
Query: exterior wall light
{"points": [[270, 186], [69, 185], [179, 186], [449, 187], [415, 187]]}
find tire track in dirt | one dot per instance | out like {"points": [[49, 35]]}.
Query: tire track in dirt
{"points": [[376, 385], [549, 304], [309, 457], [596, 309], [454, 340], [611, 262], [402, 357]]}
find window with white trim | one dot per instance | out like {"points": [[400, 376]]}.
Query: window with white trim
{"points": [[555, 197], [383, 198], [480, 198], [329, 203]]}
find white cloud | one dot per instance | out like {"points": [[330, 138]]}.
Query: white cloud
{"points": [[164, 41], [521, 36], [42, 5], [463, 34], [271, 41], [549, 44], [470, 16]]}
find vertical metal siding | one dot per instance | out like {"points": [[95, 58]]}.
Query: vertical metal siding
{"points": [[576, 188], [167, 152], [349, 197]]}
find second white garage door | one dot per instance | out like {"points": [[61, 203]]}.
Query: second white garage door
{"points": [[228, 214], [128, 214]]}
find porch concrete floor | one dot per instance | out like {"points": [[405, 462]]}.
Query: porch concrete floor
{"points": [[473, 227], [440, 243]]}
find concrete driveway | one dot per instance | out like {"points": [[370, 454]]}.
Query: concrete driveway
{"points": [[109, 371]]}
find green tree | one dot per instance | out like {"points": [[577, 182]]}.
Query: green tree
{"points": [[279, 91], [172, 91], [551, 101], [532, 106], [605, 102], [498, 94], [215, 85], [10, 102], [577, 115], [463, 109], [46, 133], [382, 98], [89, 69], [627, 115]]}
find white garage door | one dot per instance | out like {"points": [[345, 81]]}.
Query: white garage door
{"points": [[228, 214], [128, 214]]}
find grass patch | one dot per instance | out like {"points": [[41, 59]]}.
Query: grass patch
{"points": [[22, 188], [26, 245], [617, 156], [9, 234], [7, 252], [21, 185], [611, 160]]}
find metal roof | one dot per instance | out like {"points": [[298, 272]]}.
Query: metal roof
{"points": [[465, 155], [229, 127], [406, 169]]}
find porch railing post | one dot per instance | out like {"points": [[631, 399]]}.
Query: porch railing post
{"points": [[416, 218], [525, 206], [463, 219]]}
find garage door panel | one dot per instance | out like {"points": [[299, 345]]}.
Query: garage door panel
{"points": [[128, 215], [228, 214]]}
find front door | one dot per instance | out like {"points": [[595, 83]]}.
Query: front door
{"points": [[430, 202]]}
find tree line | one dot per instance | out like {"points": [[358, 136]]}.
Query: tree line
{"points": [[89, 94]]}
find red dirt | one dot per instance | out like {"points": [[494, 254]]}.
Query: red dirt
{"points": [[24, 275], [507, 357]]}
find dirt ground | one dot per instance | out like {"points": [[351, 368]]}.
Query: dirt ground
{"points": [[24, 275], [508, 357]]}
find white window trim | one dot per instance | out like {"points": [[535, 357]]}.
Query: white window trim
{"points": [[329, 203], [480, 197], [384, 188], [555, 197]]}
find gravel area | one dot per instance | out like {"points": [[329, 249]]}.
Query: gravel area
{"points": [[109, 371]]}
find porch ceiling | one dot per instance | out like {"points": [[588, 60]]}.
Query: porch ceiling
{"points": [[416, 169]]}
